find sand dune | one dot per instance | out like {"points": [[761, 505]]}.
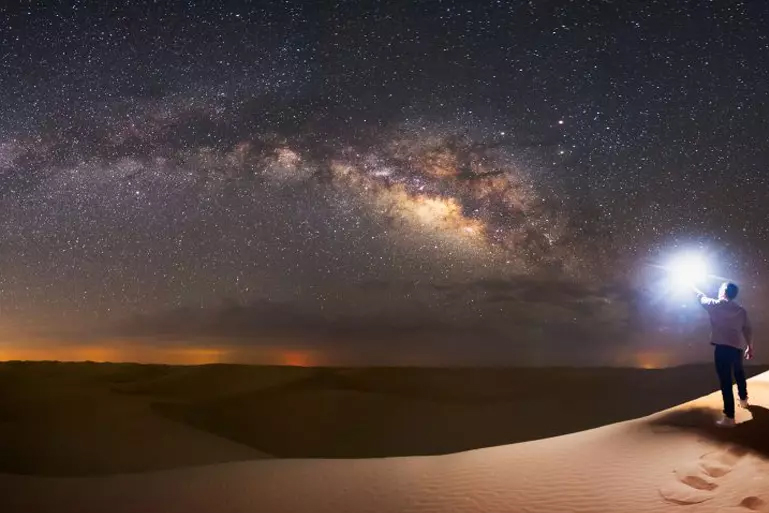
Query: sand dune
{"points": [[351, 413], [668, 461], [659, 463], [73, 419]]}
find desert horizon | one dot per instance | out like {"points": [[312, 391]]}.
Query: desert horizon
{"points": [[318, 412], [85, 436], [178, 353]]}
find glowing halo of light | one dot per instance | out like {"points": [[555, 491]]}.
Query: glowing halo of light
{"points": [[688, 270]]}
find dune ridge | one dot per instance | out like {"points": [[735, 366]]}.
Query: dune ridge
{"points": [[670, 460], [136, 418]]}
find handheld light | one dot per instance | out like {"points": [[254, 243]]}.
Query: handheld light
{"points": [[687, 271]]}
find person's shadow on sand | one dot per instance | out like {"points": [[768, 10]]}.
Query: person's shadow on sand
{"points": [[750, 435]]}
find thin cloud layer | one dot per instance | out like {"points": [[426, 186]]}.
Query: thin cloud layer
{"points": [[489, 321]]}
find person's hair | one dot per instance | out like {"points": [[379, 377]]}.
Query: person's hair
{"points": [[730, 290]]}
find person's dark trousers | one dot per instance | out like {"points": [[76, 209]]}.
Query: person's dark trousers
{"points": [[728, 361]]}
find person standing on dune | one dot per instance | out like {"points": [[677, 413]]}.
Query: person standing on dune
{"points": [[730, 326]]}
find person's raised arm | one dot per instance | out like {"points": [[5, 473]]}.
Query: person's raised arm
{"points": [[704, 300]]}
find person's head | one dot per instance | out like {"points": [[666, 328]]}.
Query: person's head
{"points": [[728, 291]]}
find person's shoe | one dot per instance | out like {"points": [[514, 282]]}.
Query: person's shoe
{"points": [[744, 403], [725, 422]]}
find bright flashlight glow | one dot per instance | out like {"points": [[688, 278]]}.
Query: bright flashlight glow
{"points": [[688, 270]]}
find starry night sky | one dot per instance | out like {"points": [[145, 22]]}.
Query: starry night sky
{"points": [[437, 182]]}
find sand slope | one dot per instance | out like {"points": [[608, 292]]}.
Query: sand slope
{"points": [[77, 419], [380, 412], [71, 419], [673, 460]]}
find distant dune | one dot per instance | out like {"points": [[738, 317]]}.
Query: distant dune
{"points": [[91, 419], [163, 438], [338, 413]]}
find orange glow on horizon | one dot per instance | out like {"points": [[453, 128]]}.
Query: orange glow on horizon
{"points": [[114, 353], [297, 359], [653, 360], [155, 352]]}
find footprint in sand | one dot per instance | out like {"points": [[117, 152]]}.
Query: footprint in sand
{"points": [[753, 503], [697, 482], [720, 463]]}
